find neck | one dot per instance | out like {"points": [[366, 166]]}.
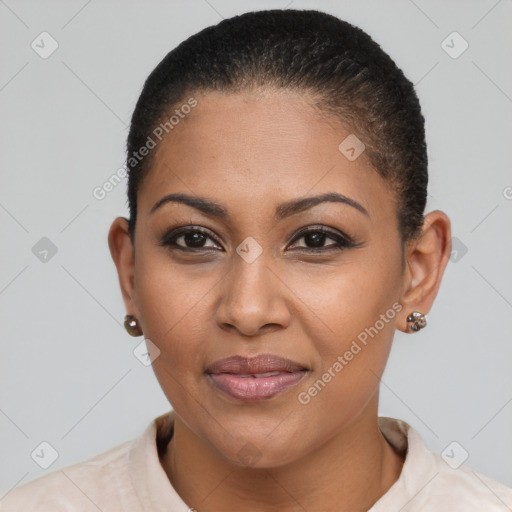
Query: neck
{"points": [[350, 472]]}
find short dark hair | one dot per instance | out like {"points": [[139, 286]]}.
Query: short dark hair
{"points": [[311, 52]]}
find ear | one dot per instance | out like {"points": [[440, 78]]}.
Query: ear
{"points": [[123, 254], [426, 259]]}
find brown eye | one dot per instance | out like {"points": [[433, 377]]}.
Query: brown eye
{"points": [[187, 239], [195, 239], [315, 239]]}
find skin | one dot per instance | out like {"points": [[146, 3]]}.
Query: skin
{"points": [[249, 152]]}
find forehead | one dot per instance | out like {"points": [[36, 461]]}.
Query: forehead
{"points": [[255, 148]]}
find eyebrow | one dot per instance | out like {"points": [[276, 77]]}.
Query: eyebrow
{"points": [[282, 211]]}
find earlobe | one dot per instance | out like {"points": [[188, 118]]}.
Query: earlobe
{"points": [[426, 260], [122, 253]]}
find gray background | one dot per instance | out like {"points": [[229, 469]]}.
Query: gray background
{"points": [[67, 370]]}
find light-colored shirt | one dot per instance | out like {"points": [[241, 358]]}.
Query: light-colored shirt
{"points": [[130, 478]]}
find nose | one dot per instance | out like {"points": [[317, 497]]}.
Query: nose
{"points": [[253, 298]]}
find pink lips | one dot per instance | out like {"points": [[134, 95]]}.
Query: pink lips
{"points": [[256, 378]]}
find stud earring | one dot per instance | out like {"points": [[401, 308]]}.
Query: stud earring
{"points": [[418, 321], [132, 326]]}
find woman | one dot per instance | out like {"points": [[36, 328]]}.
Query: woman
{"points": [[276, 240]]}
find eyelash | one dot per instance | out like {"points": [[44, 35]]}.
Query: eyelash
{"points": [[343, 242]]}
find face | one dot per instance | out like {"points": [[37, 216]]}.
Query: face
{"points": [[318, 284]]}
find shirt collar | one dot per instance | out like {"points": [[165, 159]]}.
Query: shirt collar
{"points": [[158, 495], [419, 468], [149, 479]]}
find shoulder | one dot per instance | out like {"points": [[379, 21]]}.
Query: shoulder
{"points": [[430, 481], [459, 487], [79, 487]]}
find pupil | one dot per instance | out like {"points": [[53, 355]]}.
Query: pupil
{"points": [[194, 239], [317, 239]]}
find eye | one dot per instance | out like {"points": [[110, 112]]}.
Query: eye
{"points": [[187, 239], [195, 239], [315, 238]]}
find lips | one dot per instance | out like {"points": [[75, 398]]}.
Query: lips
{"points": [[255, 366], [255, 378]]}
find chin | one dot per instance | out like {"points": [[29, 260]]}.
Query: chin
{"points": [[260, 455]]}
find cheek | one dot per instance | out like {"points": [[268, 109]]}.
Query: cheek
{"points": [[356, 294], [169, 295], [170, 304], [359, 308], [172, 321], [350, 364]]}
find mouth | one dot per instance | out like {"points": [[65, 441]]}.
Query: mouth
{"points": [[256, 378]]}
